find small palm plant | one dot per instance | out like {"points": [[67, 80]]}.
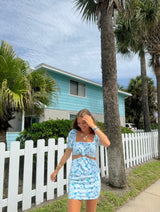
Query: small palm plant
{"points": [[21, 88]]}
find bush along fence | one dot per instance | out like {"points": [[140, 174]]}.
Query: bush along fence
{"points": [[25, 173]]}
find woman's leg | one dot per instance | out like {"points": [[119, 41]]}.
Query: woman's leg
{"points": [[74, 205], [91, 205]]}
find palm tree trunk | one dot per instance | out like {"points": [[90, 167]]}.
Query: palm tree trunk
{"points": [[117, 177], [146, 115], [157, 71]]}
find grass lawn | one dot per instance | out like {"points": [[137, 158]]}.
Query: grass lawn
{"points": [[138, 179]]}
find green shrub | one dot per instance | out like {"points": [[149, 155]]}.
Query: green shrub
{"points": [[154, 126], [45, 130], [100, 125], [125, 130], [53, 129]]}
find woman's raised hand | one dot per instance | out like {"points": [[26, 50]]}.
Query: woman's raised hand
{"points": [[88, 119]]}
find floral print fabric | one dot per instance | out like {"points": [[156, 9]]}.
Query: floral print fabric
{"points": [[84, 177]]}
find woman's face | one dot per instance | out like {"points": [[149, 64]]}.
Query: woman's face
{"points": [[82, 124]]}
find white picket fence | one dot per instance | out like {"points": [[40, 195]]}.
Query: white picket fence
{"points": [[138, 148]]}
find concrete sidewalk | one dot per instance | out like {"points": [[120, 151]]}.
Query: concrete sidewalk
{"points": [[147, 201]]}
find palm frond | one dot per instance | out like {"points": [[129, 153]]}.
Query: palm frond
{"points": [[87, 9], [44, 89]]}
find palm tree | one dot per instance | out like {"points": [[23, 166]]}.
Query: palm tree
{"points": [[148, 16], [102, 11], [20, 89], [130, 38], [134, 109]]}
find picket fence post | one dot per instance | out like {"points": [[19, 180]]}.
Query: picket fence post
{"points": [[50, 168], [136, 150], [27, 175], [40, 171], [13, 177], [102, 161], [127, 149], [60, 176]]}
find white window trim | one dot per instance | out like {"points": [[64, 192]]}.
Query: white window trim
{"points": [[77, 95]]}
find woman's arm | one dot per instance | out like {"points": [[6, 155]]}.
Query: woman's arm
{"points": [[63, 160], [103, 138]]}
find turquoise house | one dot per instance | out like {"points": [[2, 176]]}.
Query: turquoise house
{"points": [[76, 93]]}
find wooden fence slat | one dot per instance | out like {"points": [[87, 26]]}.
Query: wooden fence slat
{"points": [[13, 177], [155, 141], [106, 161], [130, 150], [133, 149], [68, 166], [123, 144], [127, 150], [60, 177], [141, 147], [147, 147], [150, 145], [136, 149], [27, 175], [144, 147], [40, 171], [156, 146], [50, 168], [2, 163], [102, 161], [153, 144]]}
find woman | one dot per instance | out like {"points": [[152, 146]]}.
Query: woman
{"points": [[84, 177]]}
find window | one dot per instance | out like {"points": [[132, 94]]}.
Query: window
{"points": [[29, 120], [72, 116], [77, 88]]}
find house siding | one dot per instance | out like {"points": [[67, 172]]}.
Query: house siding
{"points": [[65, 114], [121, 99], [93, 100], [11, 136]]}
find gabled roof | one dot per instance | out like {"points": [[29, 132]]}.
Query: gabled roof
{"points": [[43, 65]]}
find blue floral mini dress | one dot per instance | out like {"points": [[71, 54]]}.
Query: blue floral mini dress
{"points": [[84, 178]]}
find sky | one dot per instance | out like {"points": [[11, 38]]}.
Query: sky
{"points": [[52, 32]]}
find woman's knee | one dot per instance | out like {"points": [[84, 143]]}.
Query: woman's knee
{"points": [[91, 205], [74, 205]]}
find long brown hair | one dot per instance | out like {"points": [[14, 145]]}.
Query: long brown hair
{"points": [[81, 113]]}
